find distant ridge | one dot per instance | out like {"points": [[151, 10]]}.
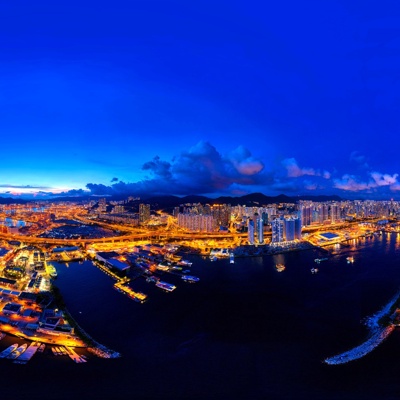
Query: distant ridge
{"points": [[10, 200], [253, 199]]}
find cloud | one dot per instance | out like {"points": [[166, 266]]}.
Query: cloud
{"points": [[199, 170], [359, 159], [326, 175], [244, 163], [350, 183], [376, 179], [158, 168], [309, 185], [114, 180], [33, 187], [294, 171], [384, 179]]}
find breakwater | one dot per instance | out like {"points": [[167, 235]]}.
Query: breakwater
{"points": [[378, 334]]}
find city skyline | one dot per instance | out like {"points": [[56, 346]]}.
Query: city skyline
{"points": [[150, 98]]}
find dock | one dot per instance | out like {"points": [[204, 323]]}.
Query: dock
{"points": [[121, 286], [74, 356]]}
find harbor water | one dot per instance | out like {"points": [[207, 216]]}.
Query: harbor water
{"points": [[244, 330]]}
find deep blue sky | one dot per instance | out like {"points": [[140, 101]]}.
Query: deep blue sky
{"points": [[188, 97]]}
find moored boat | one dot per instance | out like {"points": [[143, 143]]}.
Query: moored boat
{"points": [[16, 353], [8, 350], [190, 278]]}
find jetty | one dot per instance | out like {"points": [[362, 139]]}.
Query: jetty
{"points": [[74, 356]]}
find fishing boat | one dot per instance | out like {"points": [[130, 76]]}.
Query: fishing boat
{"points": [[280, 267], [16, 353], [8, 350]]}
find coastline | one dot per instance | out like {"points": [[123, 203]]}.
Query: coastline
{"points": [[378, 333]]}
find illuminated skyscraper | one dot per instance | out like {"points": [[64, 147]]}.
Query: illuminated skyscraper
{"points": [[277, 230], [250, 234], [144, 213], [292, 228], [260, 230]]}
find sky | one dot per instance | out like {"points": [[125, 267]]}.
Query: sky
{"points": [[199, 97]]}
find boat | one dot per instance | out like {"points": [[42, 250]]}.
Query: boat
{"points": [[314, 270], [41, 348], [54, 351], [24, 357], [16, 353], [169, 287], [280, 267], [318, 260], [213, 258], [219, 252], [190, 278], [8, 350], [185, 263], [350, 260], [51, 271], [232, 258]]}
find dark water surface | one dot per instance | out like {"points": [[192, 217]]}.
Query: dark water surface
{"points": [[244, 331]]}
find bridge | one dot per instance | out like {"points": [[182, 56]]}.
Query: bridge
{"points": [[149, 235]]}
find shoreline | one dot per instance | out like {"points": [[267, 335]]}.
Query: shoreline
{"points": [[377, 335]]}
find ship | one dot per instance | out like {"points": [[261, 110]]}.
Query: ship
{"points": [[318, 260], [169, 287], [41, 348], [185, 263], [51, 271], [190, 278], [8, 350], [280, 267], [314, 270], [219, 252], [28, 354], [350, 260], [16, 353], [232, 258]]}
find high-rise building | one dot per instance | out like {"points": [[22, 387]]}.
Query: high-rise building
{"points": [[260, 230], [144, 213], [196, 222], [250, 231], [292, 228], [118, 209], [277, 226], [306, 214]]}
